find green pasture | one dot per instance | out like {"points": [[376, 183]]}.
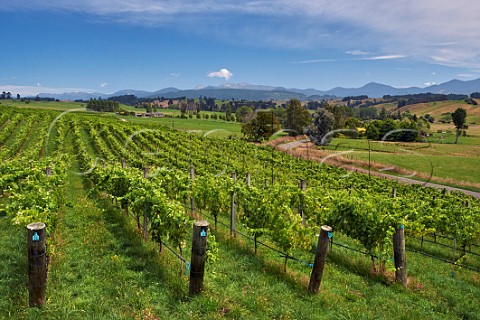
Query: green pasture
{"points": [[449, 163], [218, 128], [47, 105]]}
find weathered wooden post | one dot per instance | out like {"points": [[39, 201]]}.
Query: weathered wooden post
{"points": [[399, 256], [320, 257], [233, 210], [303, 188], [265, 180], [37, 263], [124, 163], [249, 179], [199, 254], [146, 170], [48, 171]]}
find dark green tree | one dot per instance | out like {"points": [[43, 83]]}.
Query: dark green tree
{"points": [[263, 125], [243, 114], [383, 114], [340, 114], [459, 117], [228, 111], [322, 123], [297, 118], [372, 132]]}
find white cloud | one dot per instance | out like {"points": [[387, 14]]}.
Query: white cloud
{"points": [[357, 52], [223, 73], [431, 83], [103, 84], [373, 58], [175, 75], [39, 84], [385, 57]]}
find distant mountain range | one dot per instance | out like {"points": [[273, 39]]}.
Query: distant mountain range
{"points": [[261, 92]]}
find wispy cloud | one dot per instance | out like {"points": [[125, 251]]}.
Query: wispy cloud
{"points": [[357, 52], [439, 31], [103, 84], [386, 57], [223, 73], [429, 84], [372, 58]]}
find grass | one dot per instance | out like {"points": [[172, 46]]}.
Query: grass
{"points": [[45, 105], [454, 164], [218, 128], [436, 109]]}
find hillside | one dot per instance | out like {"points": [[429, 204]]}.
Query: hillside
{"points": [[436, 109]]}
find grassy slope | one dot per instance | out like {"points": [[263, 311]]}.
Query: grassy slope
{"points": [[436, 109], [218, 128], [446, 161]]}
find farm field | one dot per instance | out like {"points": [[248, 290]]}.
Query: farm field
{"points": [[99, 266], [437, 109], [216, 128], [448, 163]]}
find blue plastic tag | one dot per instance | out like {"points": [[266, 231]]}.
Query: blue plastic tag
{"points": [[35, 237], [203, 233], [330, 235], [402, 226]]}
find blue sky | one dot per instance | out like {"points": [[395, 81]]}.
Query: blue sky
{"points": [[106, 45]]}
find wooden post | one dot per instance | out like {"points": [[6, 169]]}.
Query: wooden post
{"points": [[199, 254], [265, 180], [303, 187], [48, 171], [399, 256], [192, 199], [249, 179], [394, 193], [233, 211], [320, 257], [145, 172], [124, 163], [37, 263]]}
